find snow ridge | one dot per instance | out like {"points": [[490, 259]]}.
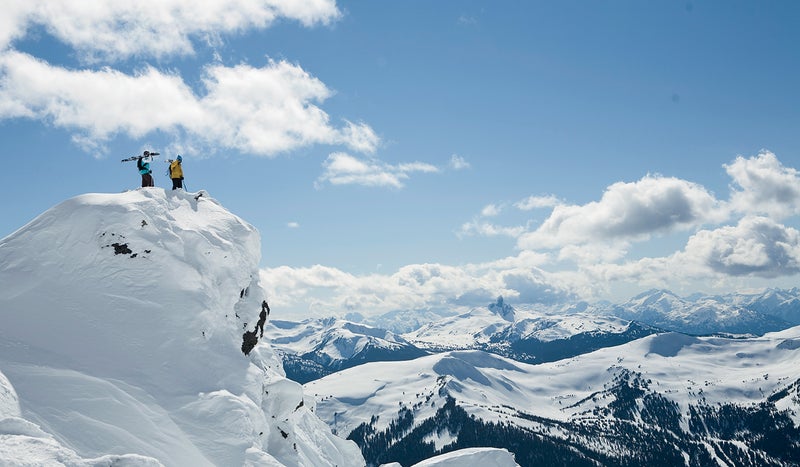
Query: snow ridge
{"points": [[122, 321]]}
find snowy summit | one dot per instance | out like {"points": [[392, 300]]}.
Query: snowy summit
{"points": [[123, 317]]}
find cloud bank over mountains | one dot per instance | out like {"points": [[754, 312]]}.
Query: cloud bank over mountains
{"points": [[584, 251]]}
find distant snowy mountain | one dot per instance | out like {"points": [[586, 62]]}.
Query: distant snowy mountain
{"points": [[532, 336], [782, 304], [401, 321], [315, 348], [122, 319], [503, 310], [736, 313], [665, 399], [699, 315]]}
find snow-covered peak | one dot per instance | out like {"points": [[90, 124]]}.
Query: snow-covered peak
{"points": [[500, 325], [781, 303], [658, 299], [123, 284], [700, 314], [316, 347], [458, 331], [336, 338], [502, 309], [122, 326]]}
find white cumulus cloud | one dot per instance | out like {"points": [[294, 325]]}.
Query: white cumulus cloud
{"points": [[537, 202], [157, 28], [604, 245], [458, 163], [259, 110], [762, 185], [344, 169], [491, 210], [628, 211], [487, 229], [756, 246]]}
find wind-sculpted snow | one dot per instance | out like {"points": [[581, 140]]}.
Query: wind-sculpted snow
{"points": [[460, 370], [125, 316], [790, 344], [9, 402], [23, 443], [483, 457], [122, 319], [669, 344]]}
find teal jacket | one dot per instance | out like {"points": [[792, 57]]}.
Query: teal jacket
{"points": [[144, 167]]}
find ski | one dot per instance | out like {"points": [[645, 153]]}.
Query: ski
{"points": [[133, 158]]}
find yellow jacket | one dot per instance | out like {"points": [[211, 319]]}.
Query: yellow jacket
{"points": [[175, 170]]}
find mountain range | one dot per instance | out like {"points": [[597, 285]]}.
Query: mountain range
{"points": [[606, 389], [664, 399], [756, 314], [531, 334]]}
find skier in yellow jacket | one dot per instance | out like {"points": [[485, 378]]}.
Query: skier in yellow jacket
{"points": [[176, 173]]}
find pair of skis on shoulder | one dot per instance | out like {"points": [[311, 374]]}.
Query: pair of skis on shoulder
{"points": [[133, 158]]}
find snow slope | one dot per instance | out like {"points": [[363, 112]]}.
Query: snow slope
{"points": [[484, 457], [550, 397], [337, 340], [317, 347], [122, 325]]}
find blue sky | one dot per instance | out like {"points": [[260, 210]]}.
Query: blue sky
{"points": [[416, 154]]}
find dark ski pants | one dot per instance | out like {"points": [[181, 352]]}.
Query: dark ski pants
{"points": [[147, 180], [260, 325], [177, 183]]}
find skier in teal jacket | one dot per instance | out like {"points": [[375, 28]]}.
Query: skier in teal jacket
{"points": [[143, 164]]}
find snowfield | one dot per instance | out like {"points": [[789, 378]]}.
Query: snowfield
{"points": [[685, 369]]}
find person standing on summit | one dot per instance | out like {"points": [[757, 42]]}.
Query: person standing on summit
{"points": [[143, 164], [176, 173]]}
